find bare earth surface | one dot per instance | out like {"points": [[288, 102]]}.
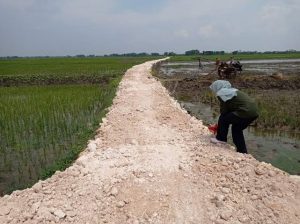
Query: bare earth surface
{"points": [[151, 162]]}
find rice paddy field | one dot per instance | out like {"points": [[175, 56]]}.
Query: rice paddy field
{"points": [[48, 71], [258, 56], [49, 108]]}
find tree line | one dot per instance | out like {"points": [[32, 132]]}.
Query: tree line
{"points": [[170, 53]]}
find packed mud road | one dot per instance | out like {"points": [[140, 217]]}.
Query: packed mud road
{"points": [[151, 162]]}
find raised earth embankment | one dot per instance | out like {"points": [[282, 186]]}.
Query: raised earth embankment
{"points": [[151, 162]]}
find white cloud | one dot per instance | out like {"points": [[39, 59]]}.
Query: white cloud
{"points": [[208, 31], [182, 33], [16, 4], [103, 26], [279, 20], [275, 16]]}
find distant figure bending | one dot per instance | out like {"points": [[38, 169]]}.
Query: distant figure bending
{"points": [[200, 64]]}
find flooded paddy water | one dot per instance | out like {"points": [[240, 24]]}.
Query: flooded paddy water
{"points": [[278, 144], [263, 67]]}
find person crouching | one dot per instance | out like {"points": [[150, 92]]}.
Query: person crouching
{"points": [[236, 109]]}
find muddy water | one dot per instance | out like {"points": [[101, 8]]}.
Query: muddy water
{"points": [[281, 149], [264, 67]]}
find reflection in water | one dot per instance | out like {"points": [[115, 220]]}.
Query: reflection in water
{"points": [[276, 147]]}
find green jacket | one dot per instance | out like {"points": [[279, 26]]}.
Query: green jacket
{"points": [[241, 105]]}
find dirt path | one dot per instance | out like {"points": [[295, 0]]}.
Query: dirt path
{"points": [[151, 162]]}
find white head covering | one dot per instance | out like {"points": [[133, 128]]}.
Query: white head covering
{"points": [[223, 89]]}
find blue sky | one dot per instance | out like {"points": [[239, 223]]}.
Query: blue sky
{"points": [[70, 27]]}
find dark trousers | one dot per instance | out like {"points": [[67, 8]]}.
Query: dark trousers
{"points": [[238, 125]]}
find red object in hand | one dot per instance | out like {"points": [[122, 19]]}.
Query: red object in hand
{"points": [[213, 128]]}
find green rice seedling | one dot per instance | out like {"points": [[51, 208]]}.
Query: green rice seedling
{"points": [[43, 128], [41, 124], [49, 71], [278, 109]]}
